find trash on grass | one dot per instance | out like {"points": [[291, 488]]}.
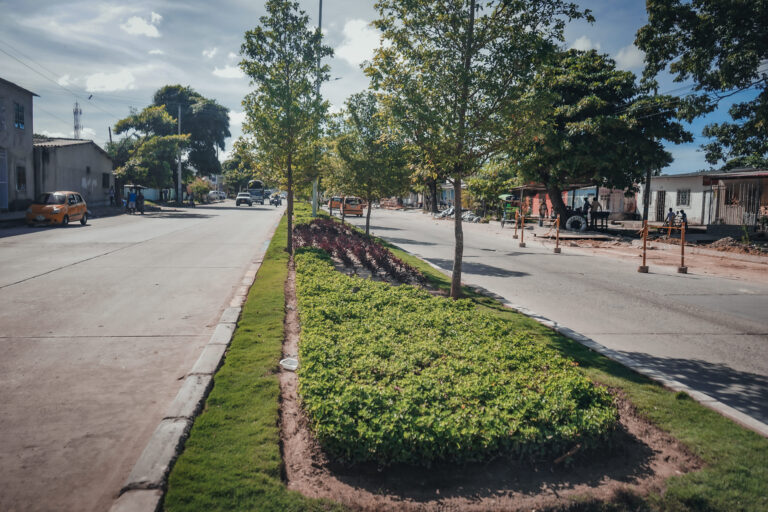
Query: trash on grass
{"points": [[290, 364]]}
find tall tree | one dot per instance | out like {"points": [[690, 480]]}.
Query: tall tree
{"points": [[376, 162], [206, 122], [146, 156], [240, 167], [451, 70], [722, 45], [595, 127], [281, 56]]}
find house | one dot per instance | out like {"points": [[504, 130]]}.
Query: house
{"points": [[73, 164], [16, 184], [723, 201]]}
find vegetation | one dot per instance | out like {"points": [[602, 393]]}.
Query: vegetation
{"points": [[281, 57], [596, 127], [722, 45], [449, 73]]}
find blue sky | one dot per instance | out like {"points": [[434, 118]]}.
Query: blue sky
{"points": [[113, 56]]}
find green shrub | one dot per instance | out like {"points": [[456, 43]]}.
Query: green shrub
{"points": [[392, 374]]}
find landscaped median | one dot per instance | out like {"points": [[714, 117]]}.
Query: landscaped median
{"points": [[396, 375]]}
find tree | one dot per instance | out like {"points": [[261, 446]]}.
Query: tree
{"points": [[595, 127], [493, 179], [722, 46], [206, 122], [240, 167], [146, 156], [376, 162], [281, 57], [451, 70]]}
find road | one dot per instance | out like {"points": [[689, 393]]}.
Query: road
{"points": [[708, 333], [99, 324]]}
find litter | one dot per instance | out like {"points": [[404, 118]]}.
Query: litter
{"points": [[289, 363]]}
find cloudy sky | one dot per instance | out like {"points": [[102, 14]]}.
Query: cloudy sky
{"points": [[112, 56]]}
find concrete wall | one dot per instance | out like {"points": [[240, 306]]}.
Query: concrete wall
{"points": [[77, 167], [15, 147]]}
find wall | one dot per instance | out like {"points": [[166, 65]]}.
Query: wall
{"points": [[17, 145], [67, 168], [700, 196]]}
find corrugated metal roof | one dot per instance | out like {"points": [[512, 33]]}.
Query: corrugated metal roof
{"points": [[58, 143]]}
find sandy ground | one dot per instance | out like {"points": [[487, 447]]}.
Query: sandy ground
{"points": [[641, 459]]}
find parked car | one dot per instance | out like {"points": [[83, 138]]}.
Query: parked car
{"points": [[352, 206], [243, 198], [335, 203], [58, 207]]}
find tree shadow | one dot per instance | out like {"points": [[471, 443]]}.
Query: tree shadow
{"points": [[175, 215], [406, 241], [743, 391], [482, 269]]}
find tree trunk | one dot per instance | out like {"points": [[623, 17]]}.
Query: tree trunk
{"points": [[433, 191], [556, 196], [458, 251], [368, 218], [342, 210], [289, 212]]}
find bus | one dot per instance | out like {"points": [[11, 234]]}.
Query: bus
{"points": [[256, 189]]}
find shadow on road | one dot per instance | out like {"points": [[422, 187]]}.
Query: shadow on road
{"points": [[175, 215], [477, 268], [406, 241], [743, 391]]}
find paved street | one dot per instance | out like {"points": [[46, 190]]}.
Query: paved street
{"points": [[99, 325], [708, 333]]}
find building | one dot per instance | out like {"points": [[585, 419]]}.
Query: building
{"points": [[16, 182], [73, 164]]}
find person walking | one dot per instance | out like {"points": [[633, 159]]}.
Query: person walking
{"points": [[670, 220], [542, 211], [132, 201], [684, 219], [140, 202], [593, 209]]}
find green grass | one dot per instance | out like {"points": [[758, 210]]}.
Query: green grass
{"points": [[231, 461]]}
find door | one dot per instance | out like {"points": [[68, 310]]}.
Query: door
{"points": [[3, 179], [661, 199]]}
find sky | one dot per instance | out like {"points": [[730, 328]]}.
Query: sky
{"points": [[110, 57]]}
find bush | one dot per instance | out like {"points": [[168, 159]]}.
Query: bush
{"points": [[392, 374]]}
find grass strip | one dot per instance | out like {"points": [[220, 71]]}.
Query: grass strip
{"points": [[735, 477], [231, 461]]}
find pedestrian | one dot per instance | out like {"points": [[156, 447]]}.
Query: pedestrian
{"points": [[140, 202], [593, 209], [684, 220], [670, 220], [111, 196], [542, 211], [132, 201]]}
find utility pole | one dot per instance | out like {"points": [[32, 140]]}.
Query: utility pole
{"points": [[178, 170], [315, 182]]}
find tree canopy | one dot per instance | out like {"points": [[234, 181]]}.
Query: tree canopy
{"points": [[281, 57], [450, 70], [722, 45], [595, 129]]}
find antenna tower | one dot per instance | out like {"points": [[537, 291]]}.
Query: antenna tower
{"points": [[77, 111]]}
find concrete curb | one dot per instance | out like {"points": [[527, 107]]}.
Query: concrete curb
{"points": [[144, 489], [707, 401]]}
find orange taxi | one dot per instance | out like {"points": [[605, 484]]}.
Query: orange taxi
{"points": [[59, 207], [352, 206]]}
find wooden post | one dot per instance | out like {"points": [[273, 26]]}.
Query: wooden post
{"points": [[517, 217], [557, 235], [522, 232], [682, 269], [644, 268]]}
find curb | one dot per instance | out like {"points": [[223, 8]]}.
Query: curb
{"points": [[729, 412], [144, 489]]}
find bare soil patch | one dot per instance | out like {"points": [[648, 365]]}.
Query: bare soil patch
{"points": [[639, 461]]}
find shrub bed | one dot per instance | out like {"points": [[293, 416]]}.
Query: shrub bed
{"points": [[391, 374]]}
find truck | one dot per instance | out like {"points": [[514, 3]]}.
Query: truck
{"points": [[256, 190]]}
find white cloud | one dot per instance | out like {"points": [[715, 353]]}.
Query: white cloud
{"points": [[105, 82], [156, 52], [64, 80], [137, 26], [88, 133], [360, 40], [236, 119], [155, 18], [584, 43], [54, 135], [231, 55], [630, 57], [208, 54], [228, 72]]}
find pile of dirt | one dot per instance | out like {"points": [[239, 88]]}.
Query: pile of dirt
{"points": [[729, 244]]}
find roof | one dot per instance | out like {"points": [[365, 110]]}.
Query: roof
{"points": [[63, 143], [741, 172], [11, 84]]}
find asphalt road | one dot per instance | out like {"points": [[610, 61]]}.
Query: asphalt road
{"points": [[98, 326], [708, 333]]}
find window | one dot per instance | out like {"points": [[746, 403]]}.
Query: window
{"points": [[105, 181], [18, 116], [21, 179], [684, 197], [87, 169]]}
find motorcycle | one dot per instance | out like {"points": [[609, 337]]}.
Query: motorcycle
{"points": [[276, 201]]}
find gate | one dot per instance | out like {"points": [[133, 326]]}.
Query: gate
{"points": [[735, 203], [661, 199]]}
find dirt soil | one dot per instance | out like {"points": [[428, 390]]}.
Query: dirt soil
{"points": [[641, 458], [666, 253]]}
